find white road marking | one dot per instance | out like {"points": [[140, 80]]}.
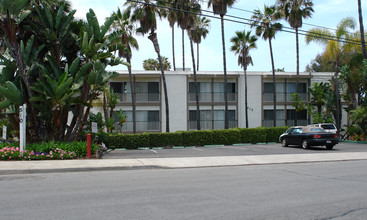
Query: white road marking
{"points": [[154, 151]]}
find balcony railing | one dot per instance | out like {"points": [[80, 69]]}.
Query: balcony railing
{"points": [[207, 97], [268, 97], [140, 97], [269, 123], [142, 126], [205, 125]]}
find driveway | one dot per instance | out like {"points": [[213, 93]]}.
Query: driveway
{"points": [[231, 150]]}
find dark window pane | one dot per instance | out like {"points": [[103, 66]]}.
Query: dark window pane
{"points": [[268, 87], [153, 87], [231, 87], [268, 115], [117, 87], [302, 88], [231, 115], [192, 115], [153, 116]]}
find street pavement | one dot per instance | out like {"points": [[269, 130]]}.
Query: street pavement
{"points": [[208, 156]]}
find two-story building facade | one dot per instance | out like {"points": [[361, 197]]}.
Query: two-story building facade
{"points": [[150, 106]]}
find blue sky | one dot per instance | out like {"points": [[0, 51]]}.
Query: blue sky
{"points": [[327, 13]]}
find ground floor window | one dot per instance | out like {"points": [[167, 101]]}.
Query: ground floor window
{"points": [[145, 121], [284, 118], [212, 119]]}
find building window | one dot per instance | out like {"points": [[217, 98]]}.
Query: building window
{"points": [[219, 91], [268, 91], [302, 90], [205, 91], [145, 121], [212, 120], [145, 91], [301, 117], [269, 118]]}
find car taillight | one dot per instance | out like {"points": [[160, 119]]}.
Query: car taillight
{"points": [[335, 135], [317, 136]]}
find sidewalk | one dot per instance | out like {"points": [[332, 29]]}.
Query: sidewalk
{"points": [[21, 167]]}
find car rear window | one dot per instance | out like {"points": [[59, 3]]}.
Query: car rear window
{"points": [[317, 129], [328, 126]]}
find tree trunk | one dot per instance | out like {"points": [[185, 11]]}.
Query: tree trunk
{"points": [[337, 99], [246, 105], [153, 38], [364, 50], [225, 76], [274, 90], [173, 48], [197, 56], [196, 88], [132, 89], [297, 79], [183, 49]]}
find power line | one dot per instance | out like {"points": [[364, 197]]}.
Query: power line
{"points": [[316, 35]]}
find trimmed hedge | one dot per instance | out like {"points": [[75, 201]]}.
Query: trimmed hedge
{"points": [[193, 138], [165, 139], [226, 136]]}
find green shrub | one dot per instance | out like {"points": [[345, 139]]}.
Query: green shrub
{"points": [[134, 141], [165, 139], [226, 136], [80, 148], [253, 135], [197, 138], [272, 134]]}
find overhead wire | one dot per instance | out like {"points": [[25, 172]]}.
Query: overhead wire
{"points": [[313, 34]]}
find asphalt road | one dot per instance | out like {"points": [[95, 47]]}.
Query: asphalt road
{"points": [[242, 150], [333, 190]]}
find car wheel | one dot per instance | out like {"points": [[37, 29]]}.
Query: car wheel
{"points": [[284, 143], [304, 144], [329, 146]]}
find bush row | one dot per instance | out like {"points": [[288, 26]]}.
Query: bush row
{"points": [[192, 138], [77, 148]]}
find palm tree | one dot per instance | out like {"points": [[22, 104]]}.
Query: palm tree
{"points": [[125, 29], [362, 30], [220, 8], [266, 26], [243, 42], [335, 49], [172, 20], [199, 31], [293, 11], [187, 22], [152, 64], [145, 14]]}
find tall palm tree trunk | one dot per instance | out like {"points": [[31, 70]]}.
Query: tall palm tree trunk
{"points": [[173, 48], [297, 79], [274, 90], [183, 49], [337, 99], [246, 105], [153, 38], [196, 88], [225, 76], [132, 89], [197, 56], [364, 50]]}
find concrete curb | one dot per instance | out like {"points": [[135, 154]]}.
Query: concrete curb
{"points": [[23, 167]]}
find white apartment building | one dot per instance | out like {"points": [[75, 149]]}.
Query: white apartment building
{"points": [[150, 104]]}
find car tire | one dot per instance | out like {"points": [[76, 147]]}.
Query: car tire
{"points": [[284, 143], [329, 146], [304, 144]]}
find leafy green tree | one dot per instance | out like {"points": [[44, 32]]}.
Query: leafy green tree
{"points": [[335, 49], [322, 98], [359, 117], [152, 64], [266, 26], [146, 14], [242, 43], [220, 8]]}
